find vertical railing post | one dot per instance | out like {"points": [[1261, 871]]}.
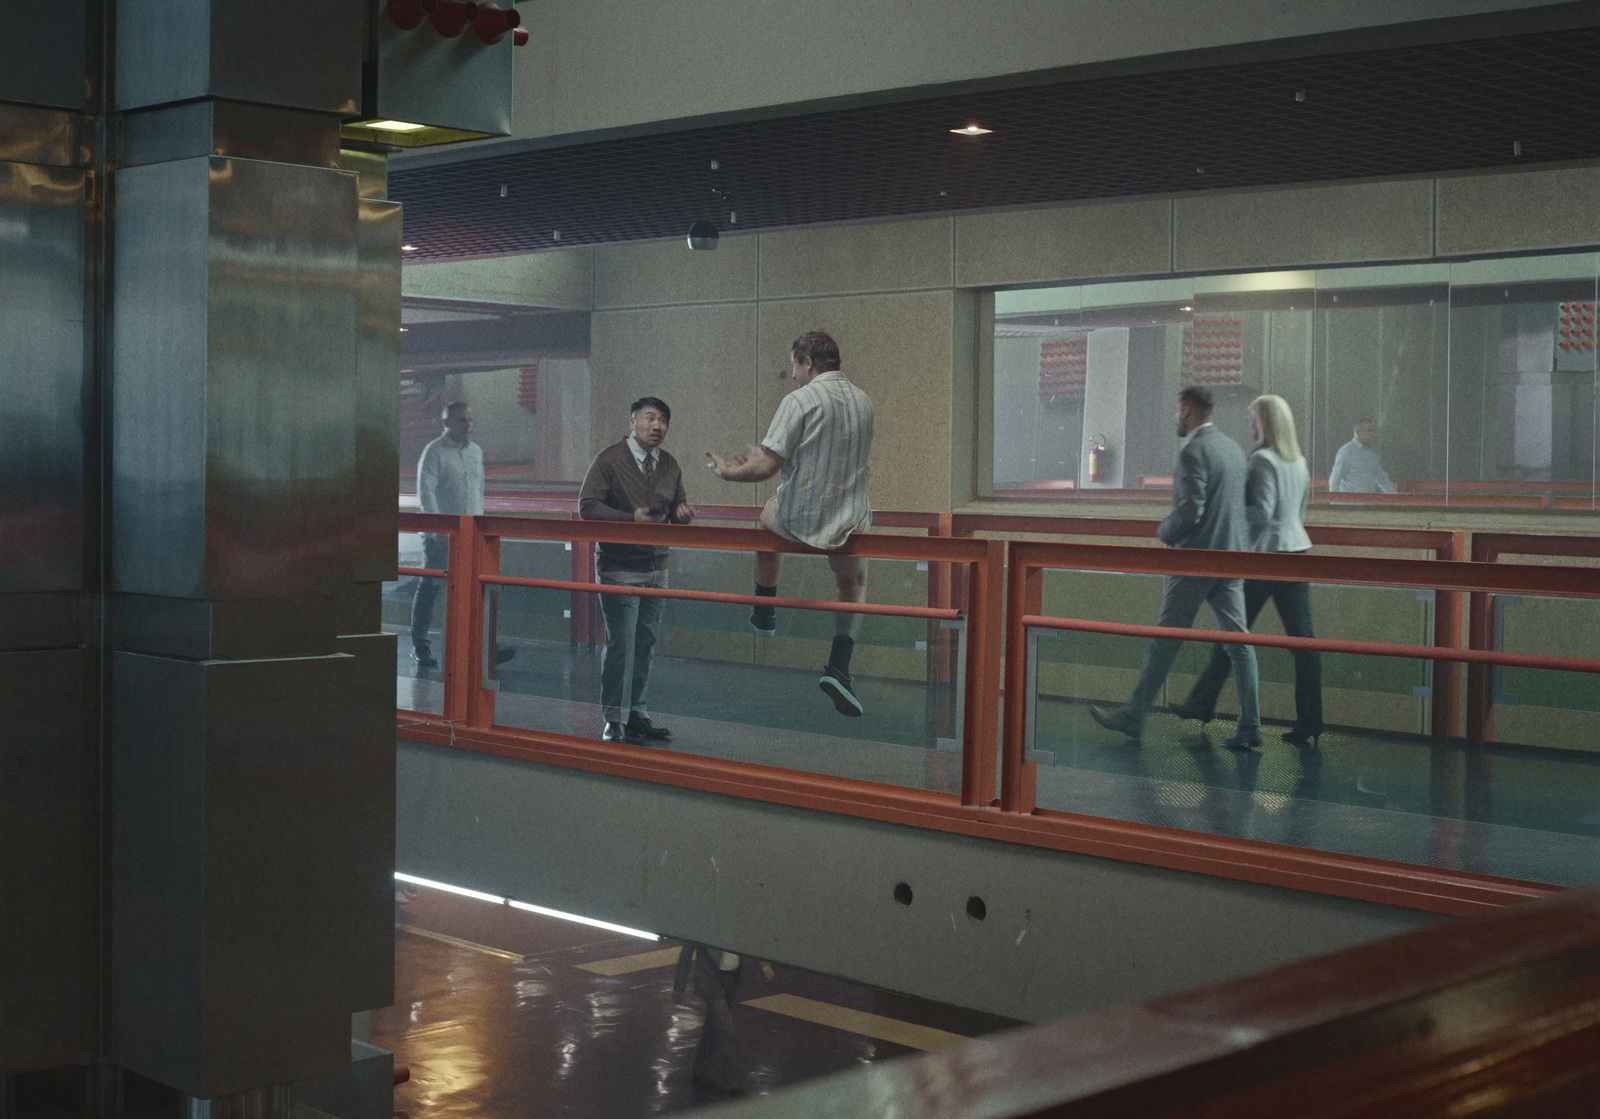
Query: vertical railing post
{"points": [[1024, 584], [459, 612], [941, 641], [980, 736], [1480, 635], [484, 631], [1447, 633]]}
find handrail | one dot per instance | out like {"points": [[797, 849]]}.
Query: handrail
{"points": [[1498, 1016], [881, 609], [1318, 644]]}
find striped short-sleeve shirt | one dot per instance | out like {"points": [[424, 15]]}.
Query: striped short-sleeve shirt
{"points": [[823, 433]]}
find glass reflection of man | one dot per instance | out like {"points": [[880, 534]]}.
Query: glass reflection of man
{"points": [[449, 480], [1356, 467]]}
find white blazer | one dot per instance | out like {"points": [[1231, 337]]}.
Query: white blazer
{"points": [[1275, 497]]}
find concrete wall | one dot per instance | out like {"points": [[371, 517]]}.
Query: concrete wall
{"points": [[596, 64], [1063, 933]]}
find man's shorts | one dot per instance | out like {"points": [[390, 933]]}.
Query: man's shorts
{"points": [[840, 565]]}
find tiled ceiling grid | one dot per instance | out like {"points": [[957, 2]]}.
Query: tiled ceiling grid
{"points": [[1409, 111]]}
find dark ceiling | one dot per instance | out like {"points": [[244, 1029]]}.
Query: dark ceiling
{"points": [[1421, 109]]}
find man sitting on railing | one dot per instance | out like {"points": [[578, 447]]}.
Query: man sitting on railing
{"points": [[820, 439], [633, 480], [1207, 512]]}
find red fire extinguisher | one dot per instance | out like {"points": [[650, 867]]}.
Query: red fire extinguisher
{"points": [[1097, 457]]}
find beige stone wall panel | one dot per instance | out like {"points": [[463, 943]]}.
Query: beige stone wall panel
{"points": [[1534, 210], [669, 272], [1318, 225], [1076, 242], [700, 360], [830, 260]]}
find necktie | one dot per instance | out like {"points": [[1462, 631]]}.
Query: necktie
{"points": [[649, 465]]}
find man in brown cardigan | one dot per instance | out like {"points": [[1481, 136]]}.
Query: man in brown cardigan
{"points": [[633, 480]]}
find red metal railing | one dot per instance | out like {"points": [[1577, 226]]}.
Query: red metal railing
{"points": [[1488, 547], [1006, 812]]}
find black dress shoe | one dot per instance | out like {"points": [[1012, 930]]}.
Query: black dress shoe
{"points": [[614, 732], [1245, 738], [1295, 737], [504, 653], [423, 656], [1193, 711], [641, 728]]}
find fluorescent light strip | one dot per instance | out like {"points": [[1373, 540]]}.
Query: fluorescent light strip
{"points": [[556, 913]]}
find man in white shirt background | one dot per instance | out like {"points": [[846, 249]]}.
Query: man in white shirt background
{"points": [[449, 480], [1356, 466]]}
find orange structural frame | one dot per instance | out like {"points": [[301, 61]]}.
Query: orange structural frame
{"points": [[995, 585]]}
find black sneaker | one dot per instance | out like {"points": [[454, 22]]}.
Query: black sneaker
{"points": [[838, 687], [764, 622], [640, 728], [423, 656]]}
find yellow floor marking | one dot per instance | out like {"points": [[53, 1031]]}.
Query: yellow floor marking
{"points": [[858, 1022], [459, 943], [626, 965]]}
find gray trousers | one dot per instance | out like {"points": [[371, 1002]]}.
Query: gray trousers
{"points": [[632, 624], [1181, 600], [435, 555]]}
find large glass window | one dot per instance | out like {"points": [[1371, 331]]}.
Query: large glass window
{"points": [[1467, 384], [525, 375]]}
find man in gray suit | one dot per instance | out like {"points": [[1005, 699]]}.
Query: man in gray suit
{"points": [[1207, 512]]}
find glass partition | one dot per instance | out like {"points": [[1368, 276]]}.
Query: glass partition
{"points": [[415, 608], [722, 689], [1467, 384]]}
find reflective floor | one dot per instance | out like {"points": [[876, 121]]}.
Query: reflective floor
{"points": [[1510, 811], [502, 1013]]}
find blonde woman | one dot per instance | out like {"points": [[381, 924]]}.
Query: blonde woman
{"points": [[1276, 490]]}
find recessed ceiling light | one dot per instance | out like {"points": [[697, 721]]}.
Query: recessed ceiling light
{"points": [[972, 130], [408, 248], [1185, 308], [394, 126]]}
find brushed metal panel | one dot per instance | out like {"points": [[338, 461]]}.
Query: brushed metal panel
{"points": [[227, 629], [48, 860], [448, 83], [55, 137], [368, 856], [303, 54], [235, 367], [57, 620], [233, 789], [377, 404], [44, 53], [228, 128], [42, 377]]}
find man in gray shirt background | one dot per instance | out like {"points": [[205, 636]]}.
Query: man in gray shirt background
{"points": [[1356, 466], [449, 480]]}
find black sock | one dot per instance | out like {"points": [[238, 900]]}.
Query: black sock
{"points": [[766, 614], [839, 658]]}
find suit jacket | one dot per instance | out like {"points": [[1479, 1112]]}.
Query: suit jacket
{"points": [[1208, 495], [1275, 496]]}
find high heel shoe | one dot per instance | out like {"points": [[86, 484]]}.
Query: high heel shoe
{"points": [[1297, 737]]}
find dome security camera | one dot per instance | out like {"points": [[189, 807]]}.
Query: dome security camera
{"points": [[703, 236]]}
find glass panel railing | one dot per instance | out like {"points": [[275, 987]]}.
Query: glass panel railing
{"points": [[1542, 708], [725, 691], [1371, 786], [415, 608]]}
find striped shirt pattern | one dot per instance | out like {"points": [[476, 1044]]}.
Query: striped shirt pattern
{"points": [[823, 433]]}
